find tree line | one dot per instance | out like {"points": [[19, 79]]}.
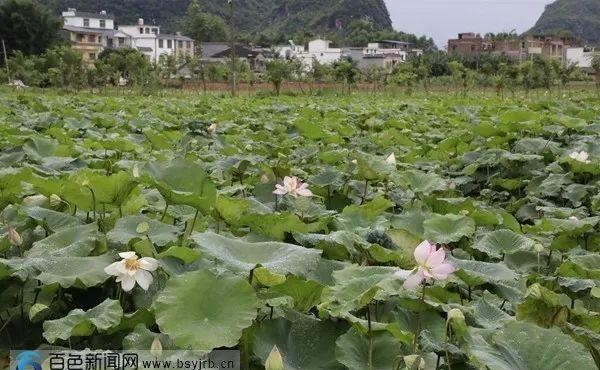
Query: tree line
{"points": [[47, 62]]}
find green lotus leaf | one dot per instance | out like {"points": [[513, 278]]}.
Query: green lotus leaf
{"points": [[524, 346], [126, 229], [352, 350], [183, 182], [448, 228], [501, 242], [49, 219], [373, 168], [216, 309], [303, 341], [141, 338], [305, 293], [77, 241], [487, 315], [240, 256], [80, 272], [80, 323], [356, 286], [363, 216], [421, 182]]}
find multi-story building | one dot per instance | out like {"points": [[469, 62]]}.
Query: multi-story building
{"points": [[518, 48], [91, 33], [582, 57], [150, 41]]}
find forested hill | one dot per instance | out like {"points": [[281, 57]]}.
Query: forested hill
{"points": [[288, 16], [579, 17]]}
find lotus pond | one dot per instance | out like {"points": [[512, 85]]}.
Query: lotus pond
{"points": [[133, 222]]}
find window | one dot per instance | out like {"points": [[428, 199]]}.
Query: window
{"points": [[91, 38], [79, 37], [169, 44], [155, 31], [188, 44], [102, 23], [121, 41], [92, 56], [86, 22], [147, 29], [141, 30], [180, 44], [161, 44]]}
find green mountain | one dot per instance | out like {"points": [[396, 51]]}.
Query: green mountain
{"points": [[289, 16], [581, 18]]}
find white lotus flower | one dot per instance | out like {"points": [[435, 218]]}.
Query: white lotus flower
{"points": [[294, 187], [391, 159], [212, 128], [573, 218], [131, 270], [581, 156]]}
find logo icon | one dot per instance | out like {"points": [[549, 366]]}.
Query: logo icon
{"points": [[28, 358]]}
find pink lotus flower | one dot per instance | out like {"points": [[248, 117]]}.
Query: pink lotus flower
{"points": [[431, 265], [13, 237], [294, 187]]}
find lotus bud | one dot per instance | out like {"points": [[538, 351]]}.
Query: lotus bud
{"points": [[142, 228], [274, 361], [156, 348], [85, 182], [55, 200], [264, 178], [212, 128], [573, 218], [35, 200], [457, 322], [414, 362], [136, 171], [13, 237], [538, 248], [354, 161], [391, 159]]}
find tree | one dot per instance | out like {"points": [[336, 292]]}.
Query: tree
{"points": [[202, 26], [595, 62], [278, 71], [345, 70], [405, 75], [461, 75], [27, 26]]}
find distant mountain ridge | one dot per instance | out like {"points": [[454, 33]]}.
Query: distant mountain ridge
{"points": [[579, 17], [252, 16]]}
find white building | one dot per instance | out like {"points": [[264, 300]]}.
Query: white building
{"points": [[319, 50], [88, 20], [582, 57], [91, 33], [150, 41]]}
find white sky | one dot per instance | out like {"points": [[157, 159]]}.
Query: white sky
{"points": [[444, 19]]}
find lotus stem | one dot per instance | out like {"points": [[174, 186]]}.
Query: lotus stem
{"points": [[418, 329], [370, 356], [164, 214]]}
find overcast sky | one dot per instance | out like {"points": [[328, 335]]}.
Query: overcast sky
{"points": [[444, 19]]}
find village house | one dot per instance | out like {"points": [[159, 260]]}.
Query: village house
{"points": [[149, 40], [582, 57], [91, 33], [517, 48]]}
